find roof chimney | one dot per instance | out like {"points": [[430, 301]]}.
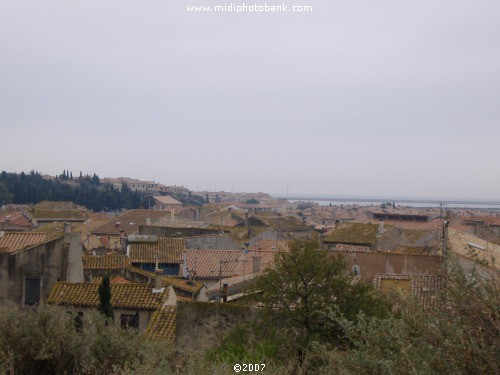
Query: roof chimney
{"points": [[158, 282], [148, 221], [380, 231], [172, 214], [256, 264], [224, 293]]}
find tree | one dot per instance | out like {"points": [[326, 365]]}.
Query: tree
{"points": [[105, 307], [5, 195], [309, 289], [252, 201]]}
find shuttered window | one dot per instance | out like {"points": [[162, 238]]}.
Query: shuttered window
{"points": [[32, 291]]}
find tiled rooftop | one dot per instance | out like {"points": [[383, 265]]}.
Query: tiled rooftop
{"points": [[129, 221], [212, 264], [105, 262], [168, 250], [115, 279], [59, 215], [423, 287], [123, 296], [353, 248], [91, 242], [15, 241], [165, 199], [16, 218], [182, 284], [161, 326], [356, 234]]}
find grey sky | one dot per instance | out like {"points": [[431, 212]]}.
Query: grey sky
{"points": [[379, 98]]}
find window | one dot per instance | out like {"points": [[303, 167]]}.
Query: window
{"points": [[356, 270], [129, 321], [32, 286]]}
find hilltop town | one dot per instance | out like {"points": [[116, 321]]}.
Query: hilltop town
{"points": [[180, 248]]}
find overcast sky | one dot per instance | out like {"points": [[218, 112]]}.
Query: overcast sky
{"points": [[359, 98]]}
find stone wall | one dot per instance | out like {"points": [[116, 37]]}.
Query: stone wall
{"points": [[201, 325], [401, 264]]}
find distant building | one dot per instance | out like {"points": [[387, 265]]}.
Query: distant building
{"points": [[166, 203]]}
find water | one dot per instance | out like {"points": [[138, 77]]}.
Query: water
{"points": [[418, 203]]}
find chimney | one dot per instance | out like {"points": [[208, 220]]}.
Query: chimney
{"points": [[224, 292], [128, 251], [197, 214], [148, 221], [158, 282], [380, 231], [172, 214], [246, 219], [256, 264], [66, 228]]}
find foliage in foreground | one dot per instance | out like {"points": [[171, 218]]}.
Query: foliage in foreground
{"points": [[460, 335], [308, 290]]}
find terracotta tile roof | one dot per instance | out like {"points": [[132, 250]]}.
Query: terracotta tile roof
{"points": [[16, 218], [91, 242], [416, 250], [423, 287], [129, 221], [168, 250], [356, 234], [459, 243], [161, 326], [415, 235], [123, 296], [270, 245], [353, 248], [15, 241], [116, 279], [105, 262], [165, 199], [182, 284], [78, 215], [211, 264]]}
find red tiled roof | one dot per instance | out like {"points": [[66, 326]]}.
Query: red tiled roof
{"points": [[129, 222], [212, 264], [116, 279], [168, 250], [105, 262], [353, 248], [15, 241], [123, 296], [16, 218]]}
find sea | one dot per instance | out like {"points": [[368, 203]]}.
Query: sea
{"points": [[407, 202]]}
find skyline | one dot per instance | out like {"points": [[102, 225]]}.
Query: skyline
{"points": [[367, 99]]}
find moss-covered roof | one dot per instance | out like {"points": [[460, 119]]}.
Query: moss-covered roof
{"points": [[129, 222], [123, 296], [105, 262], [161, 326], [356, 234]]}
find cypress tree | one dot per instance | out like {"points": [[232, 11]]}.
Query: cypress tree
{"points": [[105, 307]]}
